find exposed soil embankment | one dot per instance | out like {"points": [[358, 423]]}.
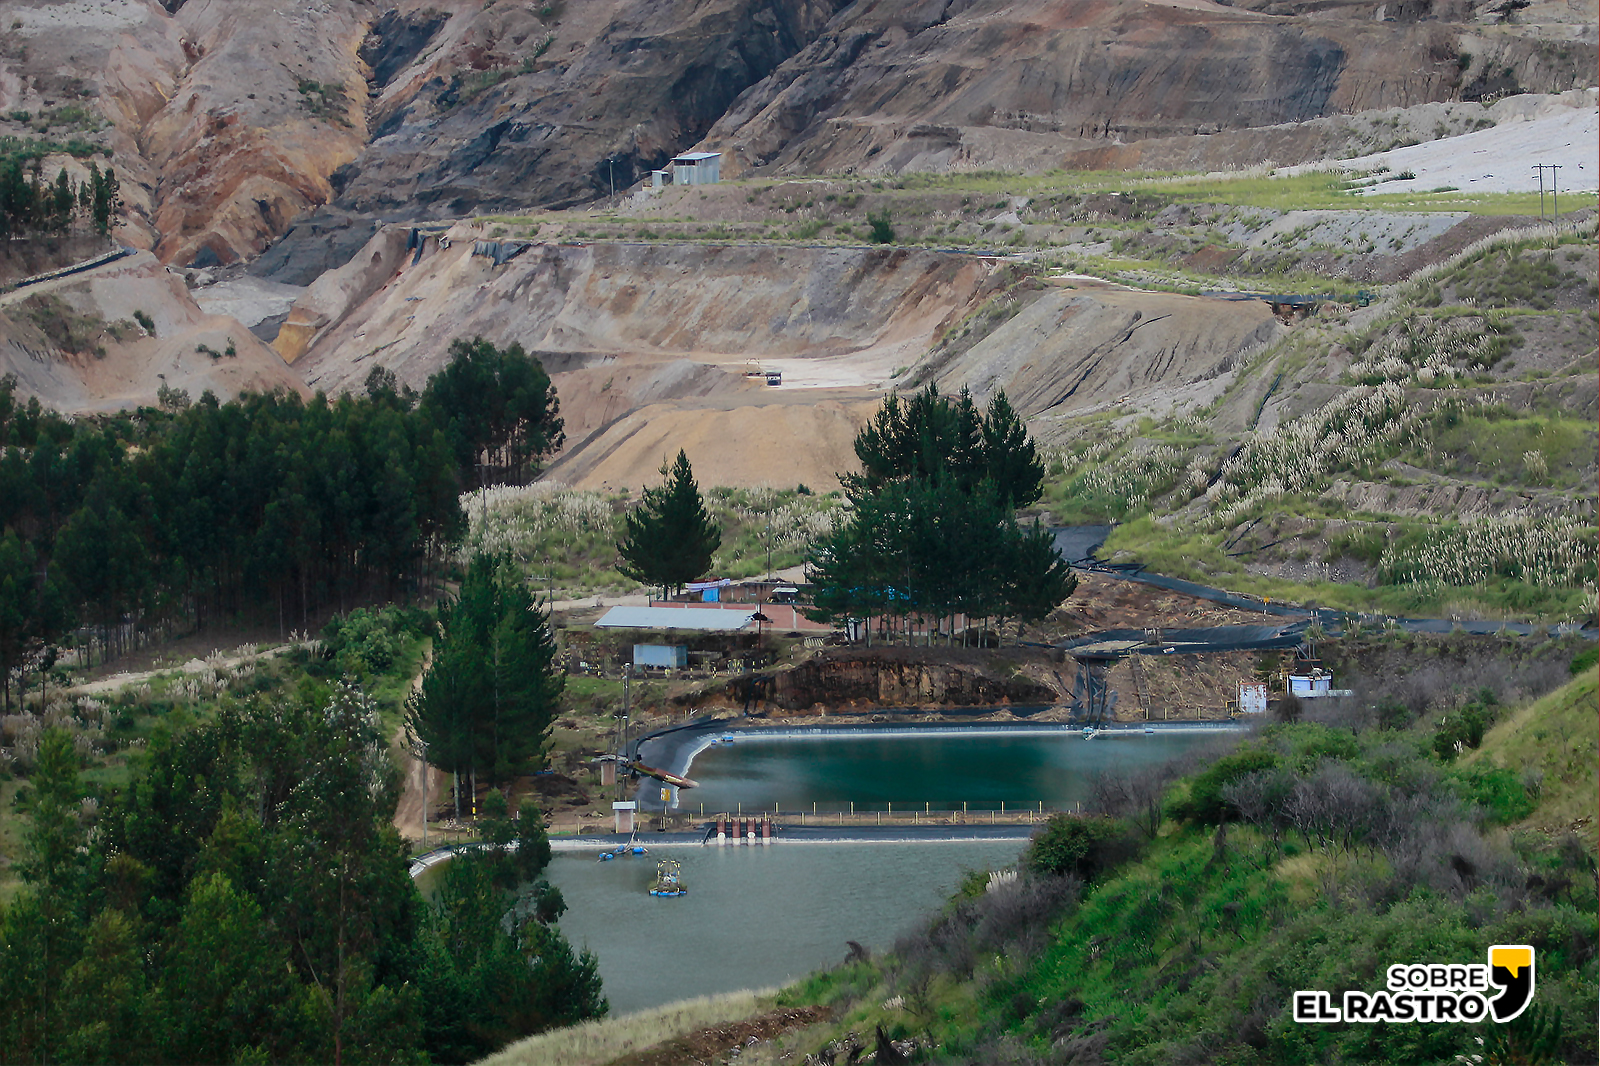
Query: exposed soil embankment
{"points": [[887, 88], [1082, 345], [864, 678], [859, 309], [78, 344], [648, 344]]}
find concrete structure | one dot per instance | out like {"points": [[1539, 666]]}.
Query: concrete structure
{"points": [[622, 814], [670, 656], [1252, 697], [659, 179], [697, 168]]}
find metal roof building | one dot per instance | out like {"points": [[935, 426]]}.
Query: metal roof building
{"points": [[705, 619], [697, 168]]}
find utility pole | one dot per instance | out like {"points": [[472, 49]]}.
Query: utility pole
{"points": [[1555, 206], [627, 675], [611, 171]]}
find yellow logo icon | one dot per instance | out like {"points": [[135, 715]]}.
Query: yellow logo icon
{"points": [[1511, 967]]}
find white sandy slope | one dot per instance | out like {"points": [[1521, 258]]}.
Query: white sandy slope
{"points": [[1561, 130]]}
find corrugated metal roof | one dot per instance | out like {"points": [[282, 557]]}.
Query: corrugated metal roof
{"points": [[695, 156], [703, 618]]}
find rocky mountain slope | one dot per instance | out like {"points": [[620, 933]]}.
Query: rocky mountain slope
{"points": [[231, 118], [897, 216]]}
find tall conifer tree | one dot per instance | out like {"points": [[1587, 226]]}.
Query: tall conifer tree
{"points": [[489, 697], [669, 538]]}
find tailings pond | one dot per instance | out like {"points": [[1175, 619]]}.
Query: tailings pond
{"points": [[761, 916], [754, 916], [914, 768]]}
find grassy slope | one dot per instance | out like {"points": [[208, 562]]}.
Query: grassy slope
{"points": [[1190, 953], [566, 539], [1150, 477], [1558, 736], [598, 1042]]}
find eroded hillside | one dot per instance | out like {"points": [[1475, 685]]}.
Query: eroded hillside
{"points": [[118, 336], [230, 119]]}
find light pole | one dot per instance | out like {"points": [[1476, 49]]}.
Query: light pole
{"points": [[611, 172]]}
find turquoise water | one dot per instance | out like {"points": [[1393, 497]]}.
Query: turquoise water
{"points": [[910, 771]]}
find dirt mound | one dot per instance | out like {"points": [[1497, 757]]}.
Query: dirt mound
{"points": [[78, 343], [1083, 345], [806, 441]]}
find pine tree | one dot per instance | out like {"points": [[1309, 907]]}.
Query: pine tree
{"points": [[1009, 457], [669, 538], [932, 532], [1037, 580], [488, 700], [931, 434]]}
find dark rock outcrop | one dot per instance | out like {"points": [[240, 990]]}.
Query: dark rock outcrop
{"points": [[560, 123]]}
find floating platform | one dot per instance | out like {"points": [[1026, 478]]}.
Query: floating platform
{"points": [[669, 879]]}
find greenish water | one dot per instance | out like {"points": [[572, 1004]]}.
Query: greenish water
{"points": [[761, 916], [872, 772], [754, 916]]}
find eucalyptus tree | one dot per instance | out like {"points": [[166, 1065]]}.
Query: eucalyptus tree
{"points": [[497, 408]]}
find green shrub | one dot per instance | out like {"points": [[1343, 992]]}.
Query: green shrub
{"points": [[363, 643], [882, 230], [1085, 846], [1204, 802], [1464, 729], [1498, 790]]}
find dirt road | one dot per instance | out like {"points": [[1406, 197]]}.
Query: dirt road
{"points": [[421, 780]]}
